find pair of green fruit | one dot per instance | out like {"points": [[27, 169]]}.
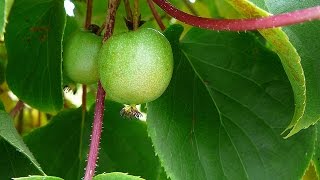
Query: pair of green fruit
{"points": [[134, 67]]}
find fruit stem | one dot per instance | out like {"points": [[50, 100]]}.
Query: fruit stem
{"points": [[99, 109], [284, 19], [128, 10], [136, 15], [17, 108], [88, 14], [110, 19], [156, 15]]}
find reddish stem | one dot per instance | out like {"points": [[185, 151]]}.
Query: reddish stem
{"points": [[284, 19], [99, 109], [110, 19], [156, 15], [18, 107], [96, 133]]}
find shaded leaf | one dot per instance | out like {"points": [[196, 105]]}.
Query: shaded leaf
{"points": [[10, 134], [13, 163], [222, 115], [116, 176], [33, 40]]}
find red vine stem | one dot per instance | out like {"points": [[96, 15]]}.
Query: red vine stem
{"points": [[156, 15], [284, 19], [98, 115]]}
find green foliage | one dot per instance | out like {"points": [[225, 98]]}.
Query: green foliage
{"points": [[33, 40], [125, 146], [231, 96], [10, 134], [116, 176], [226, 116], [38, 178]]}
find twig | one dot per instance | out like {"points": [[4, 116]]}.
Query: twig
{"points": [[156, 15], [284, 19], [18, 107], [128, 10], [136, 15], [99, 109], [88, 14]]}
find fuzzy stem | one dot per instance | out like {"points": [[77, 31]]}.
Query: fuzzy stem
{"points": [[18, 107], [99, 109], [284, 19], [156, 15]]}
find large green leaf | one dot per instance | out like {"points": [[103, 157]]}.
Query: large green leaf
{"points": [[10, 134], [289, 57], [306, 40], [116, 176], [222, 115], [33, 39], [125, 145]]}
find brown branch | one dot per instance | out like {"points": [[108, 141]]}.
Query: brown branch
{"points": [[156, 15], [88, 14]]}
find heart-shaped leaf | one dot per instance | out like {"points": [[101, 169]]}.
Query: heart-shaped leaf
{"points": [[222, 115], [33, 40]]}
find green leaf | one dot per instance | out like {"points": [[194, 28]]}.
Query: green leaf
{"points": [[316, 156], [2, 106], [5, 6], [56, 145], [289, 57], [2, 16], [33, 40], [125, 145], [10, 134], [116, 176], [306, 40], [38, 178], [222, 115], [13, 163]]}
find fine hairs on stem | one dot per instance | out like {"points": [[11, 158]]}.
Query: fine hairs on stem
{"points": [[99, 109], [284, 19]]}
